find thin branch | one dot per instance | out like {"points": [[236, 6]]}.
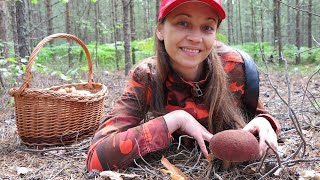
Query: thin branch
{"points": [[278, 159], [275, 153], [314, 39], [141, 155], [292, 114], [262, 161], [36, 27], [314, 102], [294, 54], [180, 137], [302, 10], [306, 88], [300, 160]]}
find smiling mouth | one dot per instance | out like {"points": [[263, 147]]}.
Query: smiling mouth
{"points": [[191, 50]]}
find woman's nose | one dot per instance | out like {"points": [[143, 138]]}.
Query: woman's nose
{"points": [[195, 36]]}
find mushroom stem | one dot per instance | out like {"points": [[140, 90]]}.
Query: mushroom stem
{"points": [[229, 164], [226, 164]]}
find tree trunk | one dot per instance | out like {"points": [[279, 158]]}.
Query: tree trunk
{"points": [[240, 24], [126, 34], [157, 9], [4, 49], [253, 22], [68, 31], [298, 39], [30, 22], [50, 20], [118, 33], [22, 28], [279, 32], [229, 20], [261, 21], [115, 36], [14, 29], [40, 14], [85, 33], [96, 11], [146, 19], [289, 24], [275, 28], [133, 30], [310, 25]]}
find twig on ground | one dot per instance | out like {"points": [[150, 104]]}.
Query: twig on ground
{"points": [[262, 161], [278, 159], [306, 89], [145, 160], [292, 114], [275, 153], [180, 138], [314, 102], [300, 160], [190, 170], [144, 169], [50, 149]]}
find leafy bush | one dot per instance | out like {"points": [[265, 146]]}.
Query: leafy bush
{"points": [[314, 57], [143, 48], [222, 38], [255, 49]]}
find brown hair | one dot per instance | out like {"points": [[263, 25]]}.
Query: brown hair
{"points": [[223, 112]]}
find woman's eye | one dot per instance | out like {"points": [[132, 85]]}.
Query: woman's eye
{"points": [[183, 24], [208, 28]]}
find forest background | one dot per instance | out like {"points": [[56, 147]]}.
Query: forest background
{"points": [[119, 33], [283, 37]]}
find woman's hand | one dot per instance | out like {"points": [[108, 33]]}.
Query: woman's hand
{"points": [[181, 120], [261, 126]]}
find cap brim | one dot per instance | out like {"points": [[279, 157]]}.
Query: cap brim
{"points": [[215, 6]]}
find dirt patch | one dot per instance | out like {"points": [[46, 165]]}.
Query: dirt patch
{"points": [[69, 162]]}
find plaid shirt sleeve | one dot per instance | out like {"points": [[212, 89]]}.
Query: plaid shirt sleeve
{"points": [[122, 137]]}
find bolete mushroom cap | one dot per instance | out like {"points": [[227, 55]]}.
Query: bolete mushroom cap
{"points": [[235, 146]]}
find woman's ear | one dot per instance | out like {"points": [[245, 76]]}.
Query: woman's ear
{"points": [[159, 33]]}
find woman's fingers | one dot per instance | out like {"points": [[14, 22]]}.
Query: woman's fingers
{"points": [[202, 146], [183, 121], [250, 127], [271, 138], [207, 136]]}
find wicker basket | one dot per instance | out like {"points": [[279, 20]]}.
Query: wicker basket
{"points": [[50, 117]]}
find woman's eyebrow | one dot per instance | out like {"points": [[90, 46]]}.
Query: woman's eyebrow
{"points": [[183, 14], [209, 18], [188, 15]]}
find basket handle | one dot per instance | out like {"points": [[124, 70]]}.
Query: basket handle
{"points": [[28, 75]]}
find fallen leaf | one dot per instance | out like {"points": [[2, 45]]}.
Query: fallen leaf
{"points": [[278, 172], [210, 157], [172, 175], [250, 170], [22, 170], [176, 173], [308, 174], [116, 176]]}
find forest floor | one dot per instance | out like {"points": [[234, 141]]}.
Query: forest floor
{"points": [[18, 161]]}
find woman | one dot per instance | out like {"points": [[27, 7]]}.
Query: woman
{"points": [[184, 89]]}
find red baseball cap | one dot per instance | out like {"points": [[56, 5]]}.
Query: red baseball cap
{"points": [[168, 5]]}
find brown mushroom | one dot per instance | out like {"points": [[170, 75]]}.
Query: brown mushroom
{"points": [[234, 146]]}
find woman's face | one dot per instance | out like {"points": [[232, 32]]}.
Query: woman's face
{"points": [[189, 33]]}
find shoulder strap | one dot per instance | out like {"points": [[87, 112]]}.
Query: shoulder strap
{"points": [[251, 92]]}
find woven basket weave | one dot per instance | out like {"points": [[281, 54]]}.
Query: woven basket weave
{"points": [[49, 117]]}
